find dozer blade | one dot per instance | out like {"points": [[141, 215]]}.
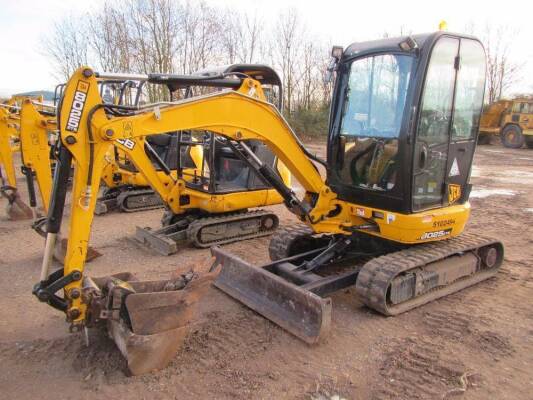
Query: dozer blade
{"points": [[158, 320], [157, 240], [299, 311]]}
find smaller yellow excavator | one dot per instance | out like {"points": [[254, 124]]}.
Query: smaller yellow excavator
{"points": [[9, 145], [38, 130]]}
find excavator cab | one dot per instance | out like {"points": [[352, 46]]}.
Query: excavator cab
{"points": [[404, 124]]}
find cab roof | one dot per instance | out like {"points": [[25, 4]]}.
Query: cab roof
{"points": [[423, 40]]}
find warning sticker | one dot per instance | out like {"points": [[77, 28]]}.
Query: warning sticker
{"points": [[454, 170]]}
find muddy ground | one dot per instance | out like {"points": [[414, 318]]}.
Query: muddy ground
{"points": [[476, 344]]}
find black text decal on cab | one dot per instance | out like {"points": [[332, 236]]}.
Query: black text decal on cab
{"points": [[76, 109]]}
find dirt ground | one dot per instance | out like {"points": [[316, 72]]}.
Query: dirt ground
{"points": [[476, 344]]}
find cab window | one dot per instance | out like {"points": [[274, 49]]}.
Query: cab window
{"points": [[469, 90], [521, 108], [372, 118]]}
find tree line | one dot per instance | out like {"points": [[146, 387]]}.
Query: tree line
{"points": [[173, 36], [182, 36]]}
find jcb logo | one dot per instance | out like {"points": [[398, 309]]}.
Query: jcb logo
{"points": [[454, 193], [127, 143], [76, 109]]}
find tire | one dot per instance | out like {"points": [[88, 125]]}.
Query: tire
{"points": [[529, 142], [512, 137], [483, 139]]}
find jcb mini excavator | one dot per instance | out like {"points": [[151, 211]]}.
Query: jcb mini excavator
{"points": [[204, 216], [389, 218], [9, 134], [208, 201], [38, 126]]}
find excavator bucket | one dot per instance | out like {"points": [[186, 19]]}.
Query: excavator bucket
{"points": [[299, 311], [16, 209], [148, 320]]}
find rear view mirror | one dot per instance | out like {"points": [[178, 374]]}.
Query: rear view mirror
{"points": [[336, 54]]}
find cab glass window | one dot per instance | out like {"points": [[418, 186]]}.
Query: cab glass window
{"points": [[376, 96], [373, 112], [469, 90], [431, 148]]}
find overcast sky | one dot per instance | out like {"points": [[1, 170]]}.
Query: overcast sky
{"points": [[23, 23]]}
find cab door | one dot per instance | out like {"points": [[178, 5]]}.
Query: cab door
{"points": [[448, 123], [466, 113], [433, 131]]}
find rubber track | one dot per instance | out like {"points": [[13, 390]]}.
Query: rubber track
{"points": [[284, 237], [194, 228], [152, 203], [376, 275]]}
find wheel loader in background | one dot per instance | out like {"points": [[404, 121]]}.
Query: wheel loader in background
{"points": [[512, 120], [389, 218]]}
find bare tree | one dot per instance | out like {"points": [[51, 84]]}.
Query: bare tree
{"points": [[200, 37], [312, 68], [250, 37], [110, 39], [287, 42], [67, 46], [232, 32], [502, 72]]}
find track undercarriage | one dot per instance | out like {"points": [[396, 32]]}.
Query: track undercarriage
{"points": [[203, 230], [127, 199], [388, 277]]}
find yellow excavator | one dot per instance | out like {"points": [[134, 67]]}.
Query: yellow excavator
{"points": [[9, 145], [388, 218], [38, 126]]}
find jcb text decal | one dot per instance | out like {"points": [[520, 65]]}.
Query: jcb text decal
{"points": [[76, 109], [127, 143], [436, 234]]}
